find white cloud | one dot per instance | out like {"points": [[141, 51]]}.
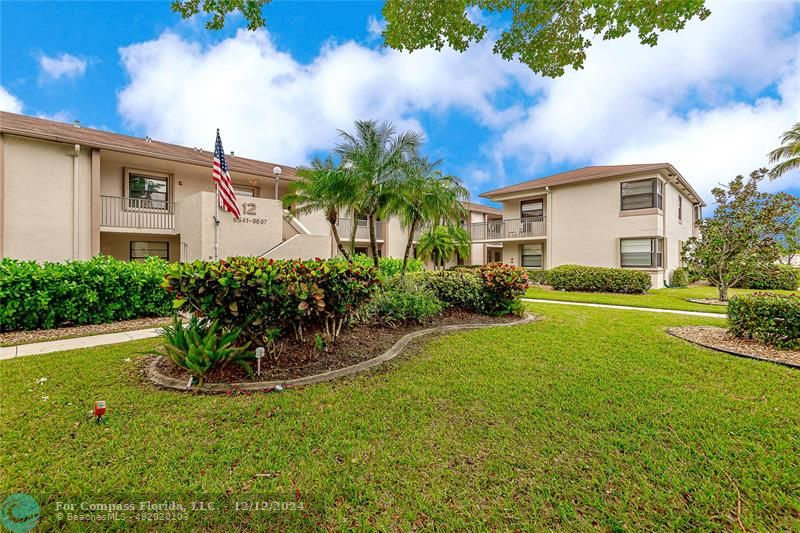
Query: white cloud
{"points": [[64, 66], [375, 27], [269, 105], [693, 100], [9, 102]]}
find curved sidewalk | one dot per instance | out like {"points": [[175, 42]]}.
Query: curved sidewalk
{"points": [[36, 348], [628, 308]]}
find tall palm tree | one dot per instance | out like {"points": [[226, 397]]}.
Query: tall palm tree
{"points": [[324, 187], [376, 156], [442, 243], [789, 151], [426, 197]]}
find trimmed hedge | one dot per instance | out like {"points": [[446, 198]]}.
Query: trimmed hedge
{"points": [[455, 289], [537, 277], [769, 318], [265, 298], [680, 277], [778, 277], [598, 279], [100, 290]]}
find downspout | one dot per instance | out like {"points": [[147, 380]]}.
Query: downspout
{"points": [[549, 226], [76, 201]]}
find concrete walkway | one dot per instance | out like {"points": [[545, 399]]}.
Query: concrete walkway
{"points": [[628, 308], [36, 348]]}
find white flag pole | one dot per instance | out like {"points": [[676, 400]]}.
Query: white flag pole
{"points": [[216, 214]]}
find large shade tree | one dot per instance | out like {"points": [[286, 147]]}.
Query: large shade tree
{"points": [[786, 157], [546, 35], [376, 157], [323, 187], [743, 235], [425, 197]]}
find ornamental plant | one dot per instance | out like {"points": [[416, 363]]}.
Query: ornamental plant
{"points": [[503, 287], [769, 318], [598, 279]]}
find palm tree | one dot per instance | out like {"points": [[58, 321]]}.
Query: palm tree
{"points": [[376, 156], [426, 197], [442, 243], [322, 187], [789, 151]]}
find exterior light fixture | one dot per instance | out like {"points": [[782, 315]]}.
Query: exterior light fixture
{"points": [[277, 171]]}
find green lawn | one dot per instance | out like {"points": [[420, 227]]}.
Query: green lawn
{"points": [[586, 419], [655, 298]]}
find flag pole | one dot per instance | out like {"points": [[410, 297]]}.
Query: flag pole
{"points": [[216, 217]]}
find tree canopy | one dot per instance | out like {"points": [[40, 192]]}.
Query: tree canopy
{"points": [[546, 36]]}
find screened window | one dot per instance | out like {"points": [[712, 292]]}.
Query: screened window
{"points": [[148, 191], [531, 255], [698, 213], [141, 250], [244, 192], [642, 194], [531, 208], [641, 253]]}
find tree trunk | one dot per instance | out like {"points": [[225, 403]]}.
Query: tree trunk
{"points": [[353, 230], [332, 221], [723, 292], [410, 242], [373, 243]]}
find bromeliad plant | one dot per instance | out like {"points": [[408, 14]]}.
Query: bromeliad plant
{"points": [[202, 346]]}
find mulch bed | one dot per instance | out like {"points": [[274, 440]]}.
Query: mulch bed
{"points": [[719, 339], [13, 338], [707, 301], [353, 346]]}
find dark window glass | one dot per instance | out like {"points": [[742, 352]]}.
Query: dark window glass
{"points": [[531, 208], [641, 253], [642, 194], [531, 255], [143, 249]]}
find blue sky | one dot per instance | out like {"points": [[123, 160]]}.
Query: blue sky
{"points": [[712, 99]]}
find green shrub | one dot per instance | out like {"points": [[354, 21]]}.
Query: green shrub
{"points": [[258, 295], [201, 346], [100, 290], [503, 286], [388, 267], [777, 277], [598, 279], [680, 277], [537, 276], [455, 289], [402, 301], [768, 318]]}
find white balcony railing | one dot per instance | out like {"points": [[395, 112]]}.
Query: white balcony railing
{"points": [[138, 213], [514, 228], [345, 226]]}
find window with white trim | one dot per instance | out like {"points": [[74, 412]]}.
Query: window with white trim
{"points": [[680, 208], [641, 253], [531, 255], [141, 250], [641, 194]]}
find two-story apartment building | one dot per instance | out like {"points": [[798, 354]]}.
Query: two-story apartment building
{"points": [[630, 216], [69, 192]]}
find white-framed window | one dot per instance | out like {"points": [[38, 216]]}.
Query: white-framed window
{"points": [[641, 253], [680, 208], [641, 194], [141, 250], [147, 190], [244, 192], [531, 255]]}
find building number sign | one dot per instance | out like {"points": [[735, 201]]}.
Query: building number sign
{"points": [[249, 209]]}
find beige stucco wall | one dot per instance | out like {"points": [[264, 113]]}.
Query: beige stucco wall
{"points": [[302, 247], [38, 200], [118, 244]]}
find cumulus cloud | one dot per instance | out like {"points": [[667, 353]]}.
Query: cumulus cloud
{"points": [[9, 102], [711, 99], [65, 66], [272, 106], [375, 27]]}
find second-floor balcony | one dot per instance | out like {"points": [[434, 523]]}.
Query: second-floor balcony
{"points": [[508, 229], [119, 212], [345, 227]]}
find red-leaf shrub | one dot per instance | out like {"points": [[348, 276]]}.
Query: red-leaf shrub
{"points": [[503, 286]]}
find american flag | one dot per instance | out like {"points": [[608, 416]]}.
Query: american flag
{"points": [[227, 197]]}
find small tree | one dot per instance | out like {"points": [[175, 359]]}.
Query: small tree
{"points": [[790, 240], [442, 243], [740, 238]]}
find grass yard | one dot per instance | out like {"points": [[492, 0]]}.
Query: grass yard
{"points": [[587, 419], [655, 298]]}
